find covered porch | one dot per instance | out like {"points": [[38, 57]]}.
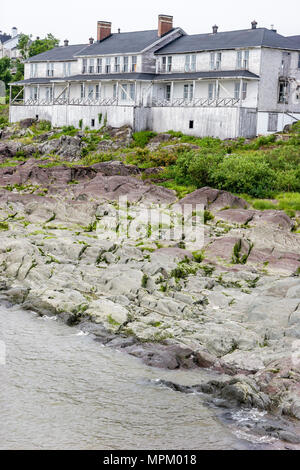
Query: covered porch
{"points": [[87, 92]]}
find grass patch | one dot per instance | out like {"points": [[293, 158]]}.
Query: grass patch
{"points": [[142, 138]]}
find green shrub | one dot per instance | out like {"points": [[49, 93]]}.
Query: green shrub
{"points": [[141, 139], [3, 122], [4, 225], [249, 174]]}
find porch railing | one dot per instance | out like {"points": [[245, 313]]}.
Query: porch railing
{"points": [[73, 101], [196, 102]]}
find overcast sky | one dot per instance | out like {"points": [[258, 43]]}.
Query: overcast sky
{"points": [[76, 19]]}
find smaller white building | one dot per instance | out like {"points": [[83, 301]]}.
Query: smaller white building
{"points": [[9, 44]]}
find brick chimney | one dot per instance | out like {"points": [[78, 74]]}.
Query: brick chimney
{"points": [[254, 24], [165, 24], [103, 30], [66, 42], [215, 29]]}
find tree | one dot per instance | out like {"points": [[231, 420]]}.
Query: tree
{"points": [[29, 48], [42, 45], [24, 45], [5, 74]]}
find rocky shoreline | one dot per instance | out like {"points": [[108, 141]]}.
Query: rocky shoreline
{"points": [[232, 307]]}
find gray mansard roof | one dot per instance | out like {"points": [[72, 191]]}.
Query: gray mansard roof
{"points": [[260, 37], [122, 43], [58, 53]]}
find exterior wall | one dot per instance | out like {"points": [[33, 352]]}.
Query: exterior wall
{"points": [[229, 60], [213, 122], [201, 90], [283, 120], [148, 57], [271, 70], [41, 70], [64, 115]]}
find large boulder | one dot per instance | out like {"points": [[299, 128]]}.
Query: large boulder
{"points": [[214, 199], [66, 146], [230, 249]]}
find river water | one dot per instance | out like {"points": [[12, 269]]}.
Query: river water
{"points": [[59, 389]]}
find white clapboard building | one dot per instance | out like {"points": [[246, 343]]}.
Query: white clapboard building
{"points": [[223, 84]]}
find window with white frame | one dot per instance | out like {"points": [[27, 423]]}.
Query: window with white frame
{"points": [[67, 69], [97, 92], [244, 90], [125, 64], [215, 60], [34, 94], [115, 90], [33, 70], [84, 65], [107, 65], [99, 65], [132, 91], [133, 63], [82, 90], [124, 92], [211, 90], [49, 94], [188, 91], [242, 60], [298, 61], [91, 66], [190, 63], [91, 92], [168, 92], [117, 64], [283, 91], [50, 69], [166, 64], [236, 90]]}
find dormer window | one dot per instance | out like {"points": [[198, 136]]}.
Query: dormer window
{"points": [[190, 63], [215, 60], [242, 60], [50, 69], [91, 66], [167, 64]]}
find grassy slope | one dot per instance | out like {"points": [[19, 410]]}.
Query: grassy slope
{"points": [[258, 170]]}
